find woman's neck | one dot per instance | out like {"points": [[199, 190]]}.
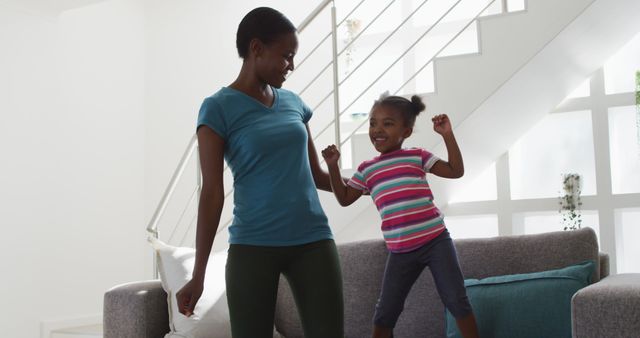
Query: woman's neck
{"points": [[249, 83]]}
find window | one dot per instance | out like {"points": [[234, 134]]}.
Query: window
{"points": [[620, 69], [628, 232], [474, 226], [482, 188], [560, 143], [624, 148], [547, 221]]}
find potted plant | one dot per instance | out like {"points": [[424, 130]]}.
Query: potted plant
{"points": [[570, 202]]}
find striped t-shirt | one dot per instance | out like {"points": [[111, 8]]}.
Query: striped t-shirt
{"points": [[398, 186]]}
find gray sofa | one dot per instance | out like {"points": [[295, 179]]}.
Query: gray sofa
{"points": [[138, 310]]}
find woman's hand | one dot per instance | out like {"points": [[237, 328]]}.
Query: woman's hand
{"points": [[441, 124], [331, 155], [189, 295]]}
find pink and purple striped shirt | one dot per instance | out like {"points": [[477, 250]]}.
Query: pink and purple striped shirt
{"points": [[399, 188]]}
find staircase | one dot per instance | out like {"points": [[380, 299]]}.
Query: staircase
{"points": [[507, 42], [520, 74]]}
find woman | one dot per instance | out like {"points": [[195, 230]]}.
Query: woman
{"points": [[279, 226]]}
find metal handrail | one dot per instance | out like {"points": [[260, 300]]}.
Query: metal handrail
{"points": [[152, 228], [443, 48], [401, 56], [417, 72], [328, 35], [184, 211], [367, 58], [336, 93], [184, 236], [345, 47], [313, 15]]}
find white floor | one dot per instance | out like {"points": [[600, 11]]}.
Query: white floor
{"points": [[90, 331]]}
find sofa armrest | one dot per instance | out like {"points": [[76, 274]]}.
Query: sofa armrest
{"points": [[136, 310], [604, 264], [609, 308]]}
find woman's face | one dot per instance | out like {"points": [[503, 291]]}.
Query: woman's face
{"points": [[274, 61]]}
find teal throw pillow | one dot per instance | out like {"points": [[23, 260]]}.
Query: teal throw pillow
{"points": [[525, 305]]}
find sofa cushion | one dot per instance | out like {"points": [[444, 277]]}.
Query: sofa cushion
{"points": [[175, 265], [525, 305], [423, 316], [508, 255]]}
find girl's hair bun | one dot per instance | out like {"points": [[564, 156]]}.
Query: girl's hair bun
{"points": [[417, 104], [410, 109]]}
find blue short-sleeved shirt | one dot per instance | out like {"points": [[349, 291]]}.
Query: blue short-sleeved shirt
{"points": [[275, 198]]}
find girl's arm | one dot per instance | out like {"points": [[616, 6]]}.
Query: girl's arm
{"points": [[320, 177], [454, 168], [344, 193], [211, 202]]}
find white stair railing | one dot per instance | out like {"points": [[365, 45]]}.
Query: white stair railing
{"points": [[420, 69], [152, 228]]}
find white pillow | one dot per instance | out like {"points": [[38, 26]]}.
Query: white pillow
{"points": [[211, 315]]}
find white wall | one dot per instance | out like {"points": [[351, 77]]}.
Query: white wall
{"points": [[71, 141]]}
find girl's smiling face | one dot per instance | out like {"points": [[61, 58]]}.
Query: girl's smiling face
{"points": [[387, 129]]}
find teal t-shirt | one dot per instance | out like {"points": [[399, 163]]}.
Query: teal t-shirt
{"points": [[275, 198]]}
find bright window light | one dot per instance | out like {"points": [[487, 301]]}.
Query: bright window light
{"points": [[627, 234], [548, 221], [473, 226], [560, 143], [620, 69], [481, 188], [624, 148]]}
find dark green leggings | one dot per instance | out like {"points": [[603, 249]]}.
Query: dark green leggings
{"points": [[313, 272]]}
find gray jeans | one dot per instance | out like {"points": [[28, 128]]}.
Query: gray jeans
{"points": [[403, 269]]}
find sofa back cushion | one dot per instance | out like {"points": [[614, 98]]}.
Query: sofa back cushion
{"points": [[527, 305], [363, 266]]}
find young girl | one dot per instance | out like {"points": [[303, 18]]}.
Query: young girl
{"points": [[412, 226]]}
